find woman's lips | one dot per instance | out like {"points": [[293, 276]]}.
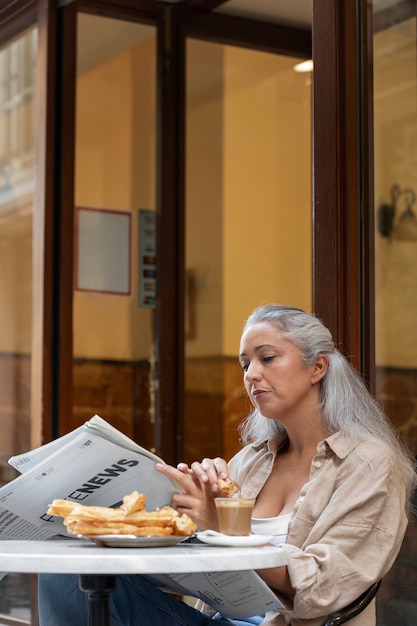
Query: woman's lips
{"points": [[258, 392]]}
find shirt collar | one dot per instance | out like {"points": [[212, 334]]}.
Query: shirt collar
{"points": [[340, 444], [274, 445]]}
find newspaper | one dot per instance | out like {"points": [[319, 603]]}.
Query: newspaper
{"points": [[97, 465], [237, 595], [94, 465]]}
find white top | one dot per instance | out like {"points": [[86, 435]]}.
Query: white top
{"points": [[277, 526]]}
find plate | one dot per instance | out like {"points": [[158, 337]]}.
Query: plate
{"points": [[219, 539], [132, 541]]}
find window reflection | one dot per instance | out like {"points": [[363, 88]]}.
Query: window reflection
{"points": [[395, 131], [17, 94], [395, 108]]}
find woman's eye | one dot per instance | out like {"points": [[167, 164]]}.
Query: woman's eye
{"points": [[266, 359], [245, 366]]}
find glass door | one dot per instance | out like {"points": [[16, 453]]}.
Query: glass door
{"points": [[248, 221], [17, 101], [395, 148], [114, 216]]}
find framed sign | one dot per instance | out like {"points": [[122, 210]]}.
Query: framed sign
{"points": [[147, 258], [103, 250]]}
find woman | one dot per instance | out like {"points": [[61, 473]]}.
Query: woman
{"points": [[331, 480]]}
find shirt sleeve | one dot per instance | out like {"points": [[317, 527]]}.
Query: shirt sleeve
{"points": [[345, 535]]}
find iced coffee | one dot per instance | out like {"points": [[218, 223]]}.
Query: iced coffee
{"points": [[234, 515]]}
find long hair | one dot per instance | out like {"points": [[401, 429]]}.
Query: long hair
{"points": [[346, 404]]}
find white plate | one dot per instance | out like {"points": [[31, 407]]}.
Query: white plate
{"points": [[132, 541], [219, 539]]}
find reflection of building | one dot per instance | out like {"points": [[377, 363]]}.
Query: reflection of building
{"points": [[17, 78]]}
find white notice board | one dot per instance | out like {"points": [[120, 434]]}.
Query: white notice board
{"points": [[103, 250]]}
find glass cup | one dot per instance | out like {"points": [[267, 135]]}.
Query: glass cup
{"points": [[235, 515]]}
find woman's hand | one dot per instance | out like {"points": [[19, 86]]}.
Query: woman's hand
{"points": [[207, 472], [197, 486]]}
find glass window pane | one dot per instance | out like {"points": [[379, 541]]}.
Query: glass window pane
{"points": [[395, 131], [248, 220], [17, 96], [114, 218]]}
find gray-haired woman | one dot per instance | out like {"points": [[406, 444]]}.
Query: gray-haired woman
{"points": [[332, 483]]}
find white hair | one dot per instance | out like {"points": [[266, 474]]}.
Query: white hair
{"points": [[346, 404]]}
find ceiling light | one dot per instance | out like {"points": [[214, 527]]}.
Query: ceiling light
{"points": [[304, 66]]}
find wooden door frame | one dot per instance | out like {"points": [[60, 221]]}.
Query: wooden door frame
{"points": [[169, 312], [343, 234]]}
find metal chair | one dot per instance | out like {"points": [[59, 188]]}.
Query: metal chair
{"points": [[353, 609]]}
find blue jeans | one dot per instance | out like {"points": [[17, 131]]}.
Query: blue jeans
{"points": [[134, 602]]}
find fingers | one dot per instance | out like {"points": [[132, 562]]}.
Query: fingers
{"points": [[209, 471], [182, 479], [197, 486], [203, 474], [200, 509], [183, 467]]}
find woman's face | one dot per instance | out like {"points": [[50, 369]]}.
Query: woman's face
{"points": [[276, 379]]}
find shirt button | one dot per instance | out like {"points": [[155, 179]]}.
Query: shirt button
{"points": [[301, 499], [323, 447], [317, 463]]}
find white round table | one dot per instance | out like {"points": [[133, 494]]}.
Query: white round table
{"points": [[98, 567]]}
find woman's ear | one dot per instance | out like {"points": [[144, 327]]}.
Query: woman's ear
{"points": [[320, 367]]}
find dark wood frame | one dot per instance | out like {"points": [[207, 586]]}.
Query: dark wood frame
{"points": [[43, 232], [343, 192], [176, 27], [169, 314], [16, 17]]}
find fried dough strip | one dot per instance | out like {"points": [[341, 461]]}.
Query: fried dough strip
{"points": [[160, 517], [227, 487], [76, 527], [62, 508], [184, 525], [133, 502], [131, 518]]}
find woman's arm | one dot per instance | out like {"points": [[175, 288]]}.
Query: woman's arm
{"points": [[197, 484], [278, 579], [346, 538]]}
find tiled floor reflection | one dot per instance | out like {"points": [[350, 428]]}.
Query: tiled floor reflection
{"points": [[397, 597]]}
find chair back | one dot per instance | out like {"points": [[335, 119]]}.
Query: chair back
{"points": [[354, 608]]}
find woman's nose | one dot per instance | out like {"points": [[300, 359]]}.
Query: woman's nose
{"points": [[252, 372]]}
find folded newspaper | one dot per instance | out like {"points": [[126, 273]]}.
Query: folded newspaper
{"points": [[237, 595], [96, 464]]}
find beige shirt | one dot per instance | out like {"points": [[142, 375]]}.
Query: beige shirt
{"points": [[347, 527]]}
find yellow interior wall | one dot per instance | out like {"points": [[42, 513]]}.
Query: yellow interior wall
{"points": [[248, 196], [115, 169], [204, 193], [267, 189]]}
